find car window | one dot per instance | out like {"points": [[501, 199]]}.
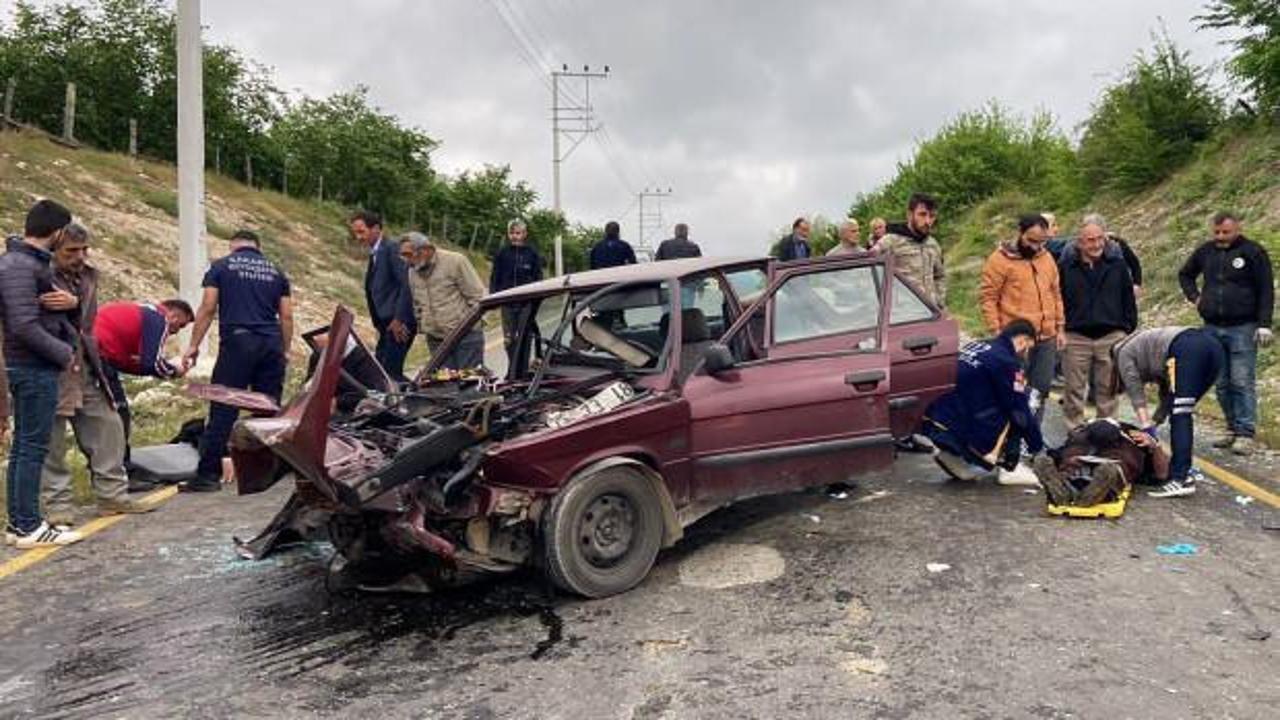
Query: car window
{"points": [[705, 294], [907, 307], [747, 284], [628, 325], [826, 303]]}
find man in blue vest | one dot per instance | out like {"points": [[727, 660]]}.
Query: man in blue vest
{"points": [[987, 418], [251, 298]]}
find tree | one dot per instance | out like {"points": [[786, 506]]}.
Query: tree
{"points": [[1150, 123], [1257, 59], [977, 155]]}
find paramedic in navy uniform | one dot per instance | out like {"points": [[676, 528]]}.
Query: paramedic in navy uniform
{"points": [[250, 296]]}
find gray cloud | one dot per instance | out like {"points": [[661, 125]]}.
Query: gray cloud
{"points": [[754, 112]]}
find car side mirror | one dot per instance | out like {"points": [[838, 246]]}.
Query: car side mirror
{"points": [[717, 358]]}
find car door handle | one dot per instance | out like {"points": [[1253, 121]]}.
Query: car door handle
{"points": [[920, 345], [865, 380]]}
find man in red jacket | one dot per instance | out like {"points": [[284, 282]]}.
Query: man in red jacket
{"points": [[131, 338]]}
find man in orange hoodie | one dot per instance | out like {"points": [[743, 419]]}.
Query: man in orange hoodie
{"points": [[1020, 280]]}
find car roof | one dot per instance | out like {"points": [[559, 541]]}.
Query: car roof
{"points": [[656, 271]]}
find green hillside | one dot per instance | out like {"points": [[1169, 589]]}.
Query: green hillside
{"points": [[1238, 170], [131, 208]]}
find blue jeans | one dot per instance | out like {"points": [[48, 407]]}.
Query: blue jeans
{"points": [[34, 393], [1197, 361], [1237, 387]]}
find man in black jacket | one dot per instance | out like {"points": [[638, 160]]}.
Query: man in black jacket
{"points": [[516, 264], [1100, 307], [796, 245], [1236, 303], [612, 251], [679, 246], [38, 346], [386, 290]]}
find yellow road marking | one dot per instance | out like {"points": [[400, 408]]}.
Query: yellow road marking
{"points": [[1239, 483], [35, 555]]}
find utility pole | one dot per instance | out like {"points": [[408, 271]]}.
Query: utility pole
{"points": [[646, 222], [191, 253], [573, 120]]}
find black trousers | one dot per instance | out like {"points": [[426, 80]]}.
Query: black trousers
{"points": [[247, 360]]}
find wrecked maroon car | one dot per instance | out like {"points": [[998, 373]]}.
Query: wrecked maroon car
{"points": [[614, 408]]}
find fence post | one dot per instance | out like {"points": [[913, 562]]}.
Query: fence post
{"points": [[475, 228], [69, 114], [321, 193], [217, 159], [10, 90], [248, 169], [133, 137]]}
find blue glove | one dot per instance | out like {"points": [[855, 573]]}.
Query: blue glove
{"points": [[1152, 431]]}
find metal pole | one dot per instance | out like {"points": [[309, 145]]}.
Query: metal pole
{"points": [[248, 169], [133, 137], [640, 219], [191, 227], [69, 114], [321, 193], [555, 166]]}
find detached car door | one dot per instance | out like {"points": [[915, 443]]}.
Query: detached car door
{"points": [[809, 407]]}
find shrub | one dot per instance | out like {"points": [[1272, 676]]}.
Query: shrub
{"points": [[981, 154], [1150, 123]]}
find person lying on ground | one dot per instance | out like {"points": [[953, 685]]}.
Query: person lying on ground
{"points": [[1098, 460]]}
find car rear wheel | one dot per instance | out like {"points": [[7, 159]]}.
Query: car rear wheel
{"points": [[602, 533]]}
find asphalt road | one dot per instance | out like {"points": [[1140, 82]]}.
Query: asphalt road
{"points": [[801, 606]]}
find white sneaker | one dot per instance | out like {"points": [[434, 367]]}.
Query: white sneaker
{"points": [[10, 534], [47, 536], [1020, 475]]}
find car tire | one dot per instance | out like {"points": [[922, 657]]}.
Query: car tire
{"points": [[602, 533]]}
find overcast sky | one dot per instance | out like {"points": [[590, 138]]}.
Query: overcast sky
{"points": [[752, 112]]}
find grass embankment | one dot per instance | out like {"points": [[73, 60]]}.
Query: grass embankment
{"points": [[1239, 170], [131, 208]]}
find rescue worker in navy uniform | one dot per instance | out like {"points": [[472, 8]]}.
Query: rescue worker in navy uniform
{"points": [[1184, 362], [250, 296], [986, 419]]}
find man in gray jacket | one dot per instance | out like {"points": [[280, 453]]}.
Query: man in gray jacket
{"points": [[38, 345], [1184, 363]]}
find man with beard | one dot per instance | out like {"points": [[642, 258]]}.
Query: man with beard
{"points": [[917, 256], [445, 290], [1020, 280], [1236, 301]]}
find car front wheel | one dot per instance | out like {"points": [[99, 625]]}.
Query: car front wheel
{"points": [[602, 533]]}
